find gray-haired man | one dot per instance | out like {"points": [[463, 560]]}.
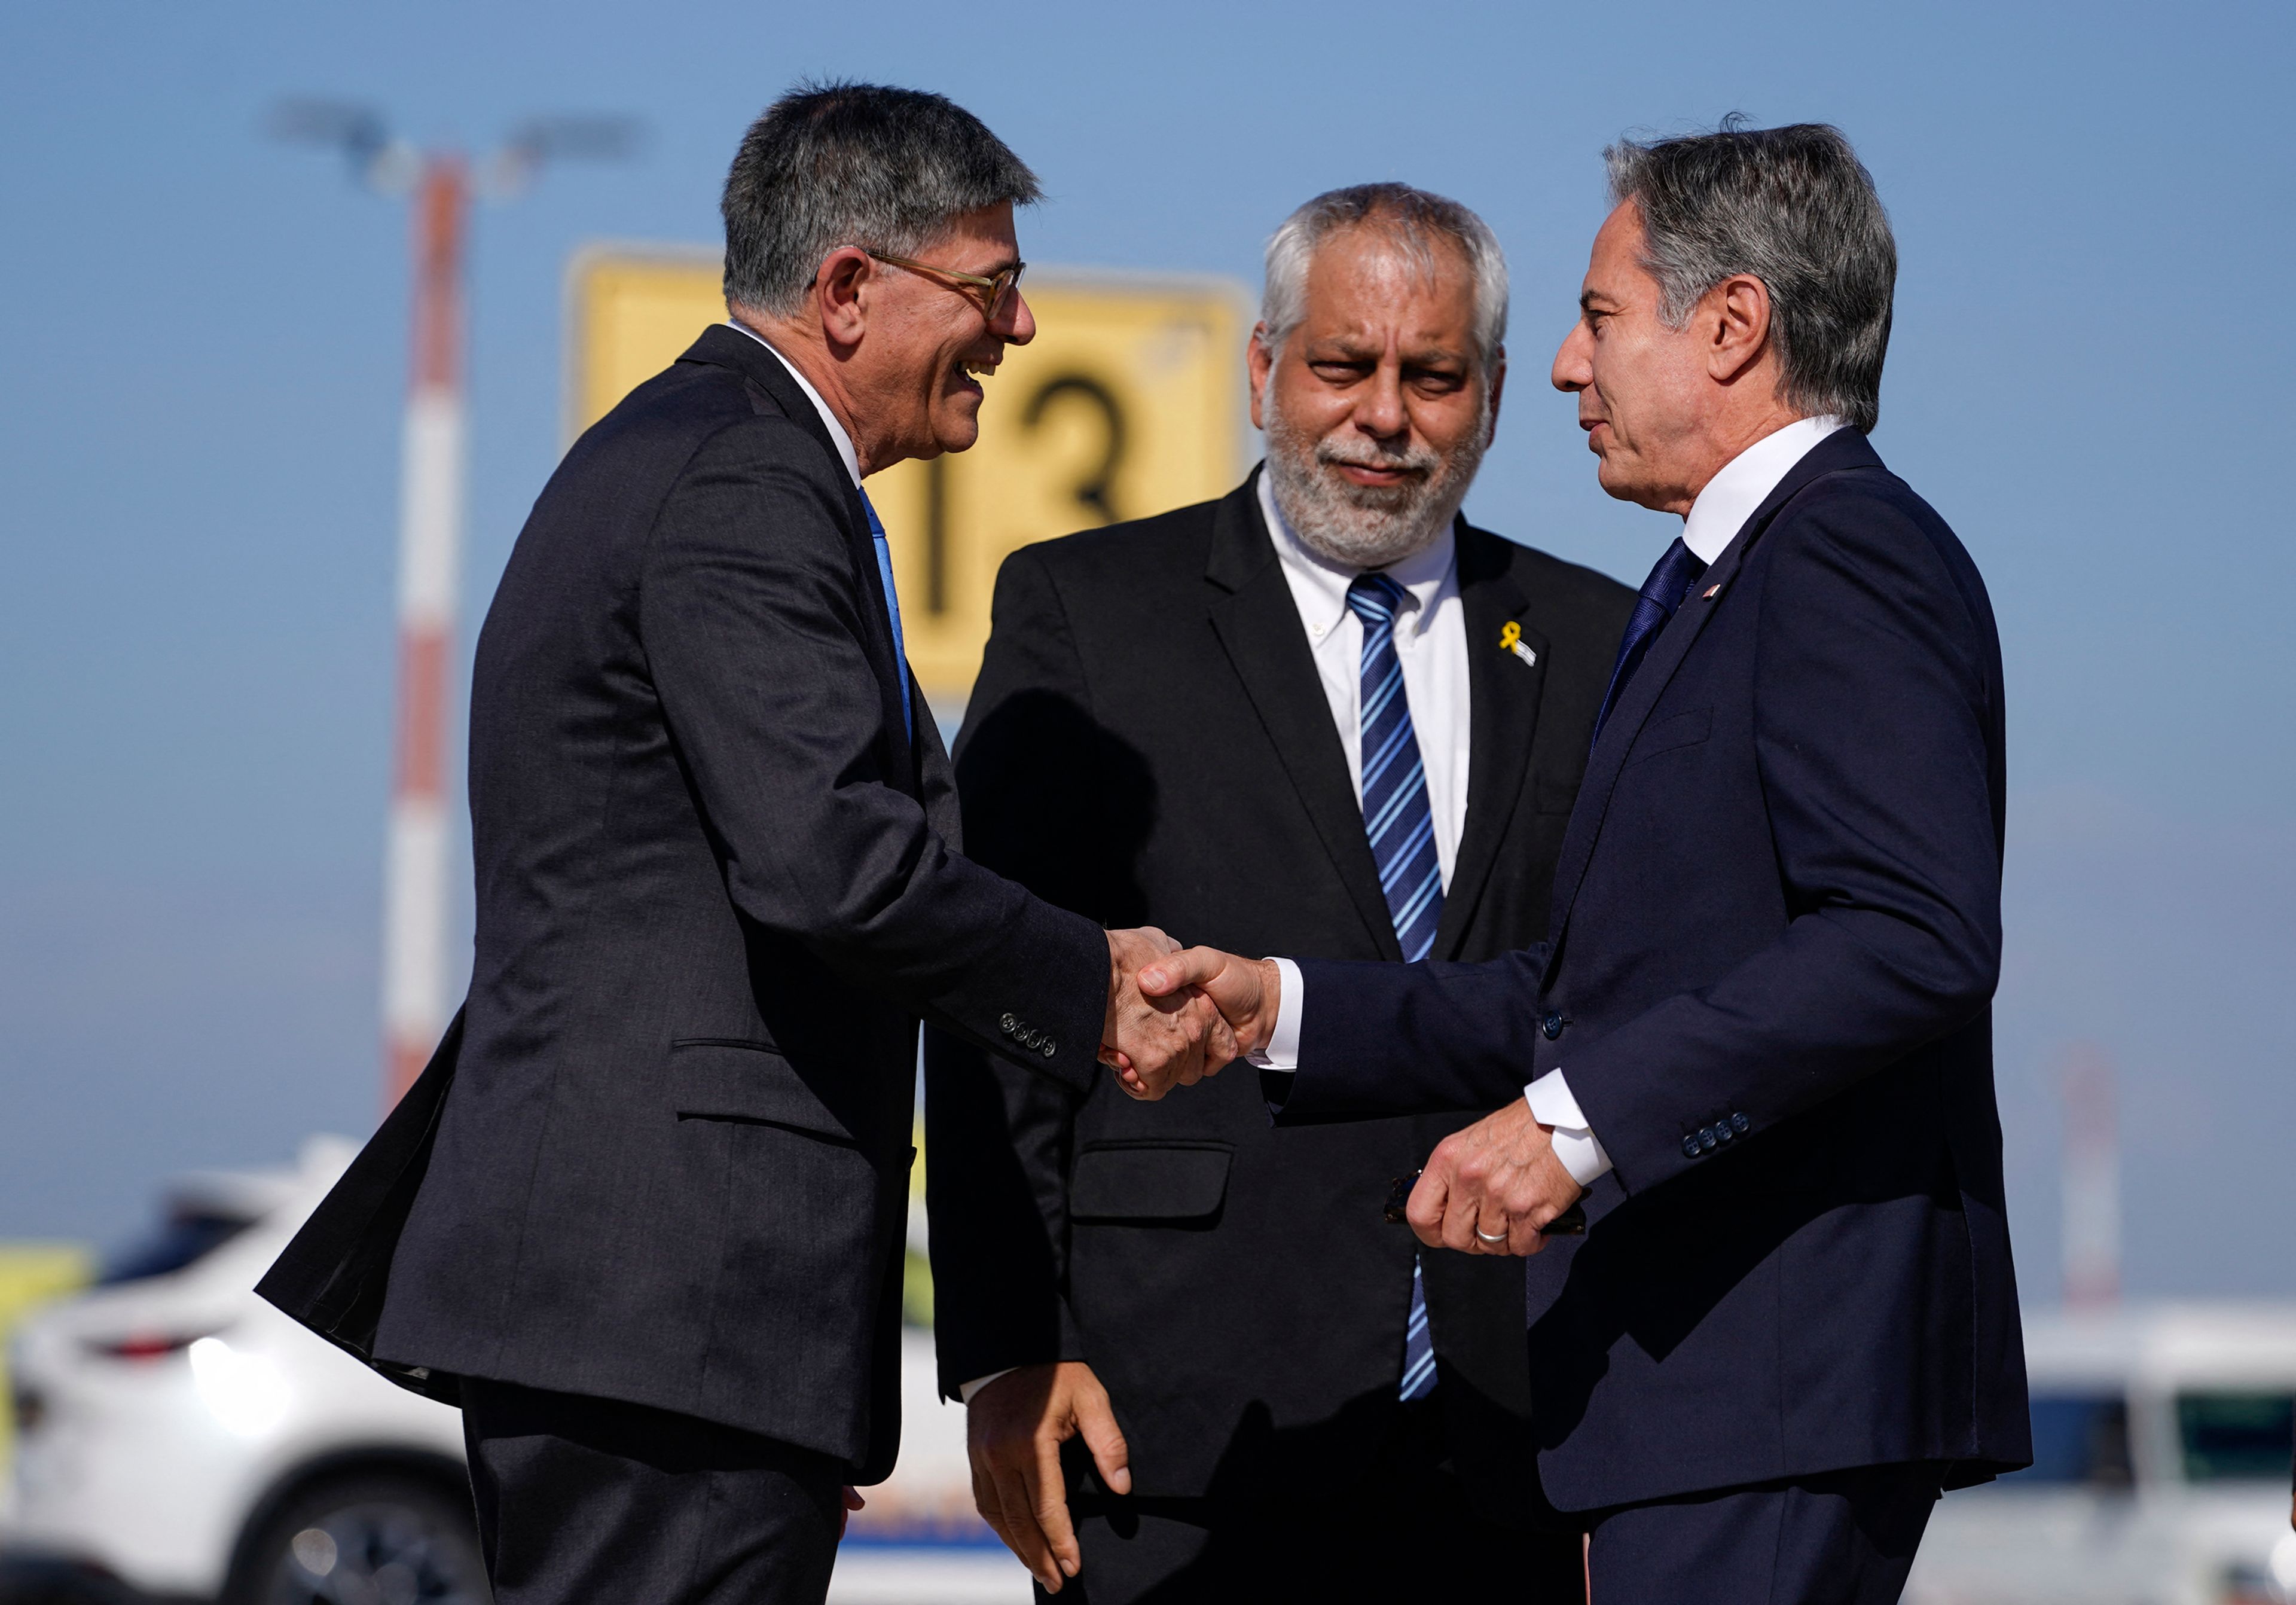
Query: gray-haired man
{"points": [[659, 1172], [1757, 1041]]}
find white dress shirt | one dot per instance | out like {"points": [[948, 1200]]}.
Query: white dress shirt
{"points": [[1721, 509], [838, 438], [1431, 644]]}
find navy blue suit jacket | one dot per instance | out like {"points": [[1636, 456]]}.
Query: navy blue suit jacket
{"points": [[1771, 957]]}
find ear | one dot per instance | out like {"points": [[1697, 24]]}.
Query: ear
{"points": [[840, 288], [1261, 361], [1740, 308], [1498, 391]]}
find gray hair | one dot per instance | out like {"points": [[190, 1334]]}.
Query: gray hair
{"points": [[1794, 207], [1416, 221], [836, 164]]}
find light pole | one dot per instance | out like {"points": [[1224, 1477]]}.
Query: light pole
{"points": [[414, 896]]}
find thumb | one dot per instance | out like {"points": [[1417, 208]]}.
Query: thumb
{"points": [[1096, 1425], [1192, 967]]}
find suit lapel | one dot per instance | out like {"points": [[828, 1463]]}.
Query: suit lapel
{"points": [[1844, 448], [749, 357], [1259, 626], [1502, 697]]}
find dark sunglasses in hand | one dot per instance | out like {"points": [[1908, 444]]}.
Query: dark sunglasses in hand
{"points": [[1570, 1223], [993, 289]]}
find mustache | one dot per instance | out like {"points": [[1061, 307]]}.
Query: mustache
{"points": [[1366, 454]]}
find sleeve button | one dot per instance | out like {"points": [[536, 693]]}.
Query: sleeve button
{"points": [[1008, 1024], [1048, 1050], [1741, 1125], [1690, 1147]]}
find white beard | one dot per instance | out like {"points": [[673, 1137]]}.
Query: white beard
{"points": [[1367, 526]]}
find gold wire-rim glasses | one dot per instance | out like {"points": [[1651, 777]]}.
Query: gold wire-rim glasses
{"points": [[995, 287]]}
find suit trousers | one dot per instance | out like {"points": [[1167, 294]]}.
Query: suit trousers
{"points": [[584, 1500], [1841, 1538], [1407, 1533]]}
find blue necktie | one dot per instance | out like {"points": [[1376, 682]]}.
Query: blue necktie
{"points": [[892, 609], [1402, 831], [1676, 571]]}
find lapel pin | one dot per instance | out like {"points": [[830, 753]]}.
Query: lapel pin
{"points": [[1711, 592], [1510, 640]]}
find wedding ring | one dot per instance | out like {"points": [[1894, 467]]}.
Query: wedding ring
{"points": [[1488, 1238]]}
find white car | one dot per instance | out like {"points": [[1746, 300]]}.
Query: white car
{"points": [[179, 1434], [2161, 1438]]}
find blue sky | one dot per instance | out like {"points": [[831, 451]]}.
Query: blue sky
{"points": [[205, 334]]}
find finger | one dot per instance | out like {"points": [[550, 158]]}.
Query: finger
{"points": [[1096, 1425], [1022, 1536], [1049, 1500], [1428, 1201]]}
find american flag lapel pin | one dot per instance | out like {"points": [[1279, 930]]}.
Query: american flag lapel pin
{"points": [[1712, 592], [1510, 640]]}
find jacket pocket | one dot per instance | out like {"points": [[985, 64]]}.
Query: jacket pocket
{"points": [[1681, 729], [718, 1079], [1149, 1182]]}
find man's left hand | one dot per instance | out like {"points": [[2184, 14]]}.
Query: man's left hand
{"points": [[1490, 1188]]}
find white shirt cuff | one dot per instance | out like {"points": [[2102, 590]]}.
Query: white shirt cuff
{"points": [[1575, 1142], [1283, 1050], [965, 1391]]}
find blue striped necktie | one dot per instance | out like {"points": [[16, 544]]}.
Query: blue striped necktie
{"points": [[892, 609], [1401, 826]]}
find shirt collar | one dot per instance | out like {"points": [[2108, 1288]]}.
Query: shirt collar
{"points": [[837, 435], [1745, 483], [1319, 583]]}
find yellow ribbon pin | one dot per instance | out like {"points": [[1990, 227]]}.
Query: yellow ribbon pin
{"points": [[1510, 640]]}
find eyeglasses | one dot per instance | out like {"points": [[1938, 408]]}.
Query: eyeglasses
{"points": [[993, 289]]}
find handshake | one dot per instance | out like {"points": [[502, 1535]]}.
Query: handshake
{"points": [[1176, 1015]]}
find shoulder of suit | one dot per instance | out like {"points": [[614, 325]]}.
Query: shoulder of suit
{"points": [[696, 408], [1544, 573], [1159, 546]]}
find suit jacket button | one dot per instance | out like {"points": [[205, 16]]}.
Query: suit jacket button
{"points": [[1722, 1130], [1690, 1148], [1048, 1050], [1707, 1140], [1551, 1023], [1741, 1125], [1009, 1025]]}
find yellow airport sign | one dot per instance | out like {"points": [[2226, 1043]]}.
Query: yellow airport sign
{"points": [[1130, 401]]}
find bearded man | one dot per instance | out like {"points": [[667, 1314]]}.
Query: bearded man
{"points": [[1324, 715]]}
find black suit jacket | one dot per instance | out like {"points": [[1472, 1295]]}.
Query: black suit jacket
{"points": [[1768, 981], [717, 885], [1149, 743]]}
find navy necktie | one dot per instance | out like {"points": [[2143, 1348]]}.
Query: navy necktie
{"points": [[1662, 592], [1401, 826], [892, 609]]}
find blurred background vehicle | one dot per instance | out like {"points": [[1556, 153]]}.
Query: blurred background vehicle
{"points": [[179, 1438], [2162, 1438]]}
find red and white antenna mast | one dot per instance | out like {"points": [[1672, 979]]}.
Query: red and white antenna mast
{"points": [[2091, 1181], [416, 897], [415, 894]]}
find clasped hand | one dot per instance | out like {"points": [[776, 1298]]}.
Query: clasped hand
{"points": [[1175, 1017]]}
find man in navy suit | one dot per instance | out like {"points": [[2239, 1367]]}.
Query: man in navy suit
{"points": [[1756, 1042]]}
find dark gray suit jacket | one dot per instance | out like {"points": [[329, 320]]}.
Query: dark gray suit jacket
{"points": [[717, 887]]}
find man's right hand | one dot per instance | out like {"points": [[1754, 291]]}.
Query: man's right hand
{"points": [[1155, 1043], [1014, 1430], [1247, 993]]}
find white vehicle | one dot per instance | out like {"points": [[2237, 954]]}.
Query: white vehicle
{"points": [[179, 1434], [2162, 1437]]}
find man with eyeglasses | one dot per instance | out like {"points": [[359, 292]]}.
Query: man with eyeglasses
{"points": [[643, 1216]]}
